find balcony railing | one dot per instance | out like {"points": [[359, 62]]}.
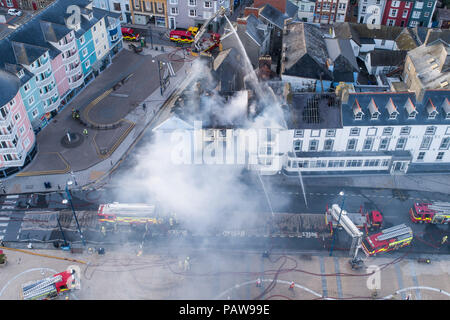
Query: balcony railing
{"points": [[49, 93], [77, 68], [45, 82], [42, 67], [53, 105], [73, 57], [67, 46], [78, 82]]}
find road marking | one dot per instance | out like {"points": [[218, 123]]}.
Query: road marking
{"points": [[400, 280], [338, 277], [415, 281], [3, 224], [10, 201], [324, 279], [7, 207], [1, 237], [12, 196], [5, 218]]}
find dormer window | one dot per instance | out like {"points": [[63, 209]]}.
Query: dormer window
{"points": [[446, 107], [411, 109], [431, 109], [357, 111], [374, 113], [392, 110], [20, 74]]}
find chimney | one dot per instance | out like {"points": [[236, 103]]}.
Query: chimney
{"points": [[241, 25], [250, 10]]}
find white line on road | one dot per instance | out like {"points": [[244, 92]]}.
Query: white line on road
{"points": [[4, 218], [7, 207], [3, 224], [12, 196]]}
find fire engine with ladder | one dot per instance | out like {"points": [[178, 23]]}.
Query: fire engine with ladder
{"points": [[51, 287], [387, 240], [435, 213], [366, 221], [112, 215]]}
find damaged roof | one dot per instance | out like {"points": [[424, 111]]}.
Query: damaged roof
{"points": [[313, 111]]}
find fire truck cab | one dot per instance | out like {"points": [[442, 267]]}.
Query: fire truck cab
{"points": [[436, 213], [387, 240], [129, 34], [367, 221], [181, 36]]}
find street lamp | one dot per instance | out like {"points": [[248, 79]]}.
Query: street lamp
{"points": [[160, 65], [69, 196], [342, 194]]}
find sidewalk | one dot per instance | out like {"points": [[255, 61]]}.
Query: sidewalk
{"points": [[97, 169]]}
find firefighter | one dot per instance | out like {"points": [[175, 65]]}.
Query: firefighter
{"points": [[187, 265], [258, 282], [73, 113], [85, 132], [444, 239], [292, 286]]}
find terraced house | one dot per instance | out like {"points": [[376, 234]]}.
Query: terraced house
{"points": [[48, 62], [152, 12]]}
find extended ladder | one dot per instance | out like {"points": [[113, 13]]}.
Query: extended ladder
{"points": [[441, 207], [42, 288], [395, 231]]}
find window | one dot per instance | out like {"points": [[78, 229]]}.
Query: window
{"points": [[84, 52], [95, 28], [405, 131], [416, 14], [299, 133], [405, 14], [393, 13], [368, 143], [421, 156], [395, 4], [192, 3], [430, 130], [313, 145], [208, 4], [401, 143], [328, 145], [371, 131], [174, 10], [315, 133], [192, 13], [407, 4], [298, 145], [331, 132], [372, 163], [351, 144], [20, 73], [426, 142], [116, 6], [31, 100], [419, 5], [447, 131], [385, 163], [354, 131], [440, 155], [413, 24], [426, 14], [26, 87], [429, 4], [12, 102], [34, 113], [388, 131], [302, 7], [87, 64], [96, 41], [445, 143], [390, 22], [384, 144], [17, 117]]}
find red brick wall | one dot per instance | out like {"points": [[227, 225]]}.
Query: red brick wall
{"points": [[279, 4], [248, 11]]}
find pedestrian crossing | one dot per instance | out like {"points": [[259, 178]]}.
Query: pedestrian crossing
{"points": [[4, 220]]}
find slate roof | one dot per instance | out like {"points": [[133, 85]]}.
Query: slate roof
{"points": [[9, 84], [273, 15], [306, 52], [27, 53], [443, 14], [53, 32], [341, 47], [400, 100], [254, 29], [380, 57], [304, 113]]}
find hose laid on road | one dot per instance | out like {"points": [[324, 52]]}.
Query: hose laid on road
{"points": [[44, 255]]}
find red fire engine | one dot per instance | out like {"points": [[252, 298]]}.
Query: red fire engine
{"points": [[128, 213], [51, 287], [368, 221], [436, 213], [387, 240], [129, 34], [181, 35]]}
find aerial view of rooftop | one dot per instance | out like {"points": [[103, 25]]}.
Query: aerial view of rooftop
{"points": [[216, 150]]}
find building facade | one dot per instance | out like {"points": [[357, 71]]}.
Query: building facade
{"points": [[305, 9], [371, 11], [51, 61], [330, 11], [153, 12]]}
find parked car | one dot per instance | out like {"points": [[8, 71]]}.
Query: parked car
{"points": [[14, 12]]}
